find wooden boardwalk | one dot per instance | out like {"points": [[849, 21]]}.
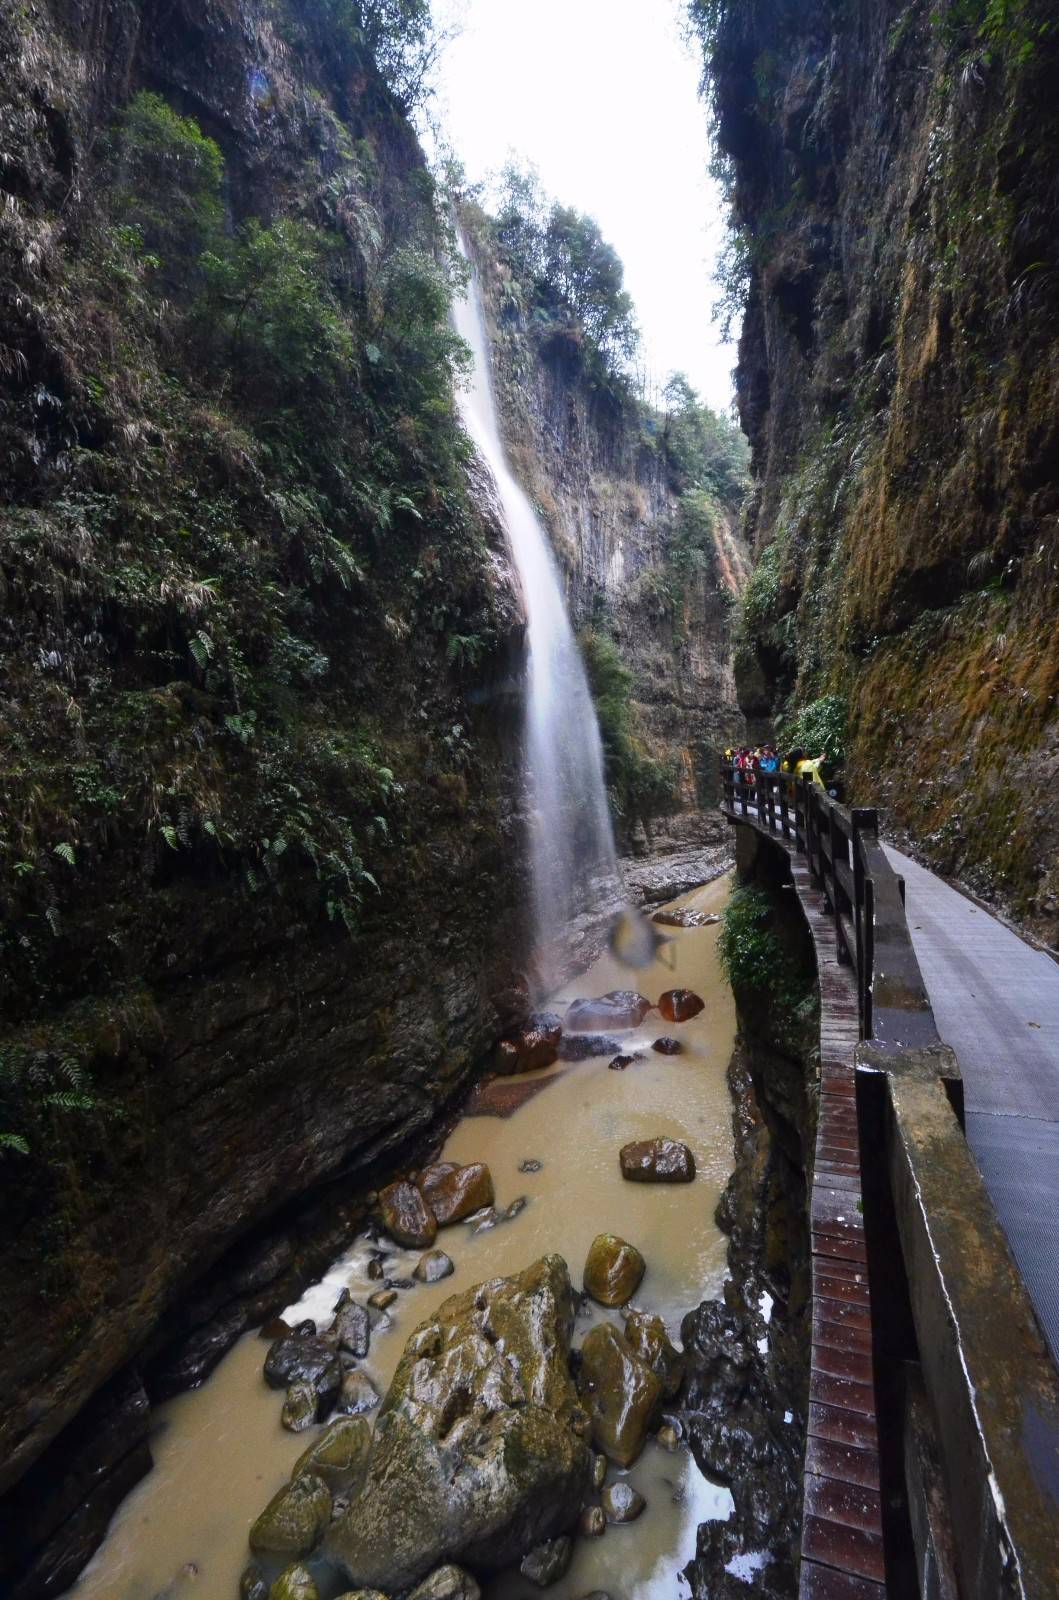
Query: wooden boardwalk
{"points": [[996, 1003], [842, 1543]]}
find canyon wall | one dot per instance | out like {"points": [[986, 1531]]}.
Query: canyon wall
{"points": [[892, 178], [261, 862]]}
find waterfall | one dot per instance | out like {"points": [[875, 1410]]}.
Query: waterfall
{"points": [[572, 855]]}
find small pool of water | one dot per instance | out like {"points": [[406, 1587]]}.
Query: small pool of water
{"points": [[220, 1452]]}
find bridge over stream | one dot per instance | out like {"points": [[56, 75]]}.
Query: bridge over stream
{"points": [[932, 1456]]}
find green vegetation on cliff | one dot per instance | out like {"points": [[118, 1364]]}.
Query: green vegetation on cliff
{"points": [[898, 383], [237, 525]]}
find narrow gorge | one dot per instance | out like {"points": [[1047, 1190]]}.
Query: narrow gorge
{"points": [[489, 1100]]}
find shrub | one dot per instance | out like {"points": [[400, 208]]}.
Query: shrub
{"points": [[754, 958], [820, 725]]}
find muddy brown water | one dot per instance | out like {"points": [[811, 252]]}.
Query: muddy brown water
{"points": [[220, 1452]]}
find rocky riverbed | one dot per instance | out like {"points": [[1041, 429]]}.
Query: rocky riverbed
{"points": [[629, 1507]]}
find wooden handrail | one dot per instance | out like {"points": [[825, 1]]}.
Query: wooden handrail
{"points": [[863, 893]]}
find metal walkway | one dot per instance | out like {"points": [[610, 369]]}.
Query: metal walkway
{"points": [[996, 1002]]}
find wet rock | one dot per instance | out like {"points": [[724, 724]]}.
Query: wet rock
{"points": [[657, 1161], [685, 918], [621, 1502], [484, 1220], [375, 1267], [668, 1047], [621, 1062], [434, 1266], [582, 1046], [381, 1299], [668, 1437], [400, 1283], [599, 1471], [306, 1329], [515, 1208], [340, 1455], [475, 1455], [300, 1407], [276, 1329], [593, 1523], [613, 1270], [620, 1392], [351, 1329], [453, 1193], [530, 1166], [447, 1583], [530, 1048], [680, 1005], [295, 1520], [646, 1336], [253, 1585], [304, 1360], [406, 1217], [363, 1594], [357, 1394], [621, 1009], [547, 1562], [295, 1583]]}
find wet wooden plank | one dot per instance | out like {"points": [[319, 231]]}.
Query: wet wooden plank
{"points": [[842, 1461], [817, 1582], [842, 1361], [851, 1504], [842, 1392], [842, 1426], [844, 1249], [849, 1549]]}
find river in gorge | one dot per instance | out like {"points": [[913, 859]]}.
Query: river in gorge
{"points": [[220, 1451]]}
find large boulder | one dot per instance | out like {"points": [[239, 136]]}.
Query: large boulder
{"points": [[406, 1216], [340, 1455], [294, 1521], [621, 1393], [294, 1583], [613, 1270], [621, 1008], [304, 1360], [657, 1161], [679, 1005], [530, 1048], [647, 1337], [454, 1192], [479, 1455]]}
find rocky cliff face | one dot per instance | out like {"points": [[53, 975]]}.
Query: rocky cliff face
{"points": [[596, 468], [259, 850], [260, 861], [893, 185]]}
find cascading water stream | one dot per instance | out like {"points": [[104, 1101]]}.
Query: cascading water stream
{"points": [[573, 859]]}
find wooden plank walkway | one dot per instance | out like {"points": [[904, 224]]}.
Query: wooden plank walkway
{"points": [[996, 1002], [842, 1543]]}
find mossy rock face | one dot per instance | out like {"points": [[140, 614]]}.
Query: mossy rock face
{"points": [[478, 1453], [340, 1455], [295, 1519]]}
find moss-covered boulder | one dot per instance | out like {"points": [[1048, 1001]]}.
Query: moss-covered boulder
{"points": [[477, 1453], [340, 1455], [294, 1583], [647, 1337], [295, 1519], [620, 1392], [614, 1270]]}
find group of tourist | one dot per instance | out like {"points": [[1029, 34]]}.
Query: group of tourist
{"points": [[765, 758]]}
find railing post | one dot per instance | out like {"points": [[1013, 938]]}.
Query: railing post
{"points": [[785, 815], [838, 843], [865, 820]]}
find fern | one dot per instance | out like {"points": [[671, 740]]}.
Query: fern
{"points": [[66, 853], [15, 1142]]}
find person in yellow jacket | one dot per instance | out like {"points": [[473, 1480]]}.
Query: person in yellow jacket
{"points": [[806, 766]]}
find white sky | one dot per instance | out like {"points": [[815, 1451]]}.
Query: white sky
{"points": [[601, 96]]}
